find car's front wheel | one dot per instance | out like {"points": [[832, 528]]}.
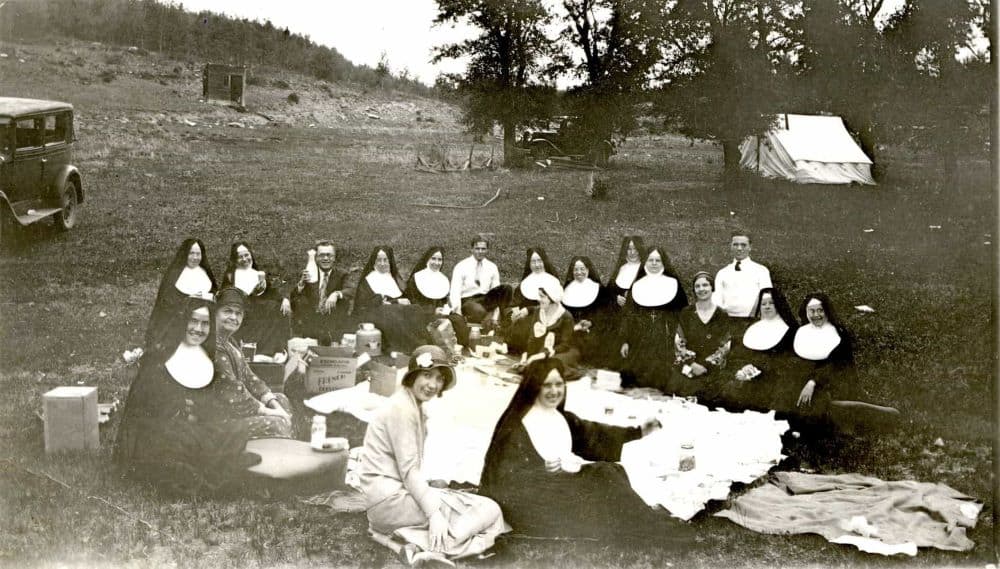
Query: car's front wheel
{"points": [[66, 219]]}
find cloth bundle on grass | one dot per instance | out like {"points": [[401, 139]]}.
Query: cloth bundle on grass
{"points": [[874, 515]]}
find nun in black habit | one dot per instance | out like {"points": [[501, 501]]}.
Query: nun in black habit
{"points": [[169, 434], [592, 306], [626, 268], [428, 286], [757, 371], [268, 305], [824, 390], [187, 275], [538, 271], [649, 322], [538, 468], [379, 299]]}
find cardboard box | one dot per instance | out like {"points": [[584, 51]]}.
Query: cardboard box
{"points": [[330, 368], [71, 419], [273, 374]]}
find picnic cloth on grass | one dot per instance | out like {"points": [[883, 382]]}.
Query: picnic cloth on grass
{"points": [[872, 514], [728, 447]]}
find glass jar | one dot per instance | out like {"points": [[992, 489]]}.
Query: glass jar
{"points": [[686, 462]]}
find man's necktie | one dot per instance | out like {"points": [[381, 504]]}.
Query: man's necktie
{"points": [[323, 278], [738, 266]]}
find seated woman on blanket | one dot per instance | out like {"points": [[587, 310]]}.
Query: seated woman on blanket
{"points": [[429, 287], [379, 299], [758, 365], [398, 498], [268, 305], [701, 344], [538, 271], [547, 330], [187, 275], [592, 307], [824, 368], [170, 433], [556, 475], [242, 396]]}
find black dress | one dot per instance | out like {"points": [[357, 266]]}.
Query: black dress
{"points": [[430, 303], [403, 326], [774, 388], [169, 435], [599, 346], [835, 377], [596, 502], [708, 342], [263, 322], [649, 332], [168, 298]]}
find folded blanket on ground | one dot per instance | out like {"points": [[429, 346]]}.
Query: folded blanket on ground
{"points": [[872, 514]]}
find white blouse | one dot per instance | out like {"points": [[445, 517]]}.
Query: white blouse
{"points": [[190, 366], [193, 282], [815, 343], [626, 274], [549, 432], [764, 334], [432, 284], [654, 290], [580, 294], [384, 284]]}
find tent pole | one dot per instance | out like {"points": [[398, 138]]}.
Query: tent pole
{"points": [[758, 155]]}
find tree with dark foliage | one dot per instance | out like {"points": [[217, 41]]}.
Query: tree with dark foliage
{"points": [[502, 84]]}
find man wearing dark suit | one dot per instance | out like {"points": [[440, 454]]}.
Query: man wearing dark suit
{"points": [[320, 309]]}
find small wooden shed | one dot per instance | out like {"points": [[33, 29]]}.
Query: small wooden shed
{"points": [[221, 82]]}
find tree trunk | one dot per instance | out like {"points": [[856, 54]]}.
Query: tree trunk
{"points": [[731, 155], [509, 153], [730, 162]]}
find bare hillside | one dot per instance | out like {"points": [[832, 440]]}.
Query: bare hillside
{"points": [[111, 84]]}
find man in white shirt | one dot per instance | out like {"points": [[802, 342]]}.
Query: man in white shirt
{"points": [[475, 284], [738, 283]]}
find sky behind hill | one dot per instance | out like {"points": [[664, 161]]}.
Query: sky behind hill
{"points": [[361, 30]]}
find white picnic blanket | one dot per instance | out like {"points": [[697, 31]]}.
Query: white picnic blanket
{"points": [[728, 447]]}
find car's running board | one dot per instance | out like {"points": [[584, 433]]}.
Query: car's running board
{"points": [[33, 215]]}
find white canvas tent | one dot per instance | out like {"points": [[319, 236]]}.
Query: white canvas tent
{"points": [[808, 150]]}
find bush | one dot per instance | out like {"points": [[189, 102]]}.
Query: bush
{"points": [[293, 98]]}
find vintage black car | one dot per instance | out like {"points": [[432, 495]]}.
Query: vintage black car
{"points": [[37, 177], [569, 137]]}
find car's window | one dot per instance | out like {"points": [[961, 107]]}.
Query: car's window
{"points": [[28, 133], [55, 129], [5, 139]]}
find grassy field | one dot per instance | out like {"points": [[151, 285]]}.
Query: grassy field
{"points": [[71, 303]]}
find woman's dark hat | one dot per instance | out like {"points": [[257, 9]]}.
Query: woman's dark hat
{"points": [[430, 357], [230, 296]]}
